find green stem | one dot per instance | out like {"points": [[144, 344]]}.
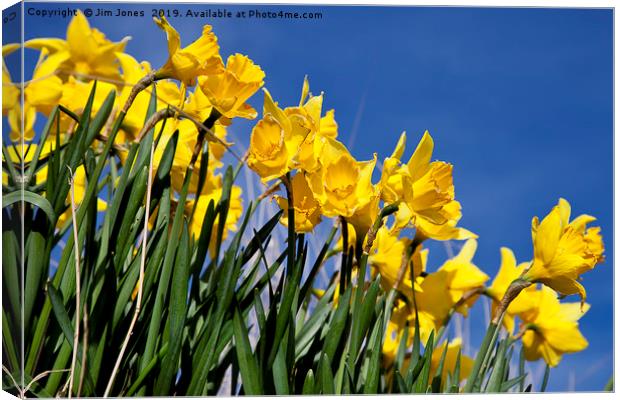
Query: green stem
{"points": [[290, 259], [345, 251], [480, 357], [543, 386]]}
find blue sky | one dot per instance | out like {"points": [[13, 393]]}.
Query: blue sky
{"points": [[519, 100]]}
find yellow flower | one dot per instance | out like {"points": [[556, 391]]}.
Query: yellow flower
{"points": [[286, 138], [342, 185], [394, 332], [387, 257], [10, 93], [86, 51], [351, 238], [396, 183], [403, 318], [213, 191], [508, 272], [307, 209], [463, 275], [183, 152], [426, 192], [23, 154], [452, 353], [228, 91], [41, 93], [364, 217], [268, 154], [202, 57], [133, 71], [441, 291], [562, 252], [307, 123], [435, 300], [75, 93], [44, 90], [15, 122], [552, 328], [80, 184]]}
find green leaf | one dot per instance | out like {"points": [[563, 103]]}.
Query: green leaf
{"points": [[309, 384], [37, 153], [247, 363], [283, 315], [436, 382], [362, 316], [176, 316], [32, 198], [61, 314], [487, 343], [101, 117], [280, 370], [371, 385], [495, 381], [338, 324], [325, 376], [421, 381], [308, 332], [509, 384], [609, 386]]}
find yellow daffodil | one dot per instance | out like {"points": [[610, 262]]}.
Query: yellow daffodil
{"points": [[307, 209], [562, 252], [23, 155], [552, 328], [213, 191], [10, 93], [74, 95], [228, 91], [364, 217], [426, 192], [308, 124], [452, 354], [396, 184], [394, 332], [202, 57], [508, 272], [464, 275], [133, 71], [387, 258], [351, 238], [435, 300], [275, 141], [342, 185], [41, 93], [86, 51], [401, 319], [288, 138], [269, 150], [80, 184], [15, 122]]}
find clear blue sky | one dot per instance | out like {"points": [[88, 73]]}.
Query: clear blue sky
{"points": [[519, 100]]}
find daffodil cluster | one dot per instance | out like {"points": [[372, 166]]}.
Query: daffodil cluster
{"points": [[298, 146], [68, 68]]}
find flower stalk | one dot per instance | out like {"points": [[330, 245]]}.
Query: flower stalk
{"points": [[511, 293]]}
